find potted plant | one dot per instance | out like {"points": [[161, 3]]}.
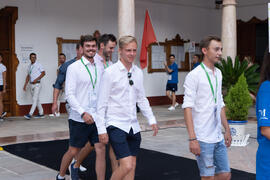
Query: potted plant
{"points": [[238, 102], [232, 71]]}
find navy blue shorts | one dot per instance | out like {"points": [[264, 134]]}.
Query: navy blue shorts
{"points": [[124, 144], [1, 88], [80, 133], [171, 87]]}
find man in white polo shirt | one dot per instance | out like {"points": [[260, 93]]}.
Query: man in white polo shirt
{"points": [[35, 73], [120, 90], [204, 112]]}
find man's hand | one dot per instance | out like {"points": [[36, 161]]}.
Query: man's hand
{"points": [[88, 119], [228, 138], [155, 129], [194, 147], [24, 87], [103, 138], [54, 107], [165, 63]]}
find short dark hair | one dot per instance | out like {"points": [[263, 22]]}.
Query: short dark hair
{"points": [[78, 46], [172, 55], [197, 55], [62, 54], [206, 41], [31, 54], [87, 38], [105, 38]]}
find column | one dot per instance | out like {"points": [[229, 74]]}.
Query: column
{"points": [[228, 29], [126, 18]]}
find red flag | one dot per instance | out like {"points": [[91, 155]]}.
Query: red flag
{"points": [[148, 38]]}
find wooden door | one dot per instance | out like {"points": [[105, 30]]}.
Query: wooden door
{"points": [[8, 18]]}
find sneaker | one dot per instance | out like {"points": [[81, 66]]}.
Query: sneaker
{"points": [[27, 116], [57, 114], [51, 115], [1, 119], [39, 116], [74, 172], [171, 108], [176, 104], [81, 169], [3, 114], [57, 178]]}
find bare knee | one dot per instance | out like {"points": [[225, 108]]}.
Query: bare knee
{"points": [[100, 148], [73, 151]]}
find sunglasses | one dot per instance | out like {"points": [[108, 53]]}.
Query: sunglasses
{"points": [[130, 80]]}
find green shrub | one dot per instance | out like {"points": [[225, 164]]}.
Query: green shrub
{"points": [[238, 100]]}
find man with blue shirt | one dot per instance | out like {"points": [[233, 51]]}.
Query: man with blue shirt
{"points": [[171, 86]]}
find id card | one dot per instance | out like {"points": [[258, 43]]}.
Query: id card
{"points": [[93, 99], [169, 77]]}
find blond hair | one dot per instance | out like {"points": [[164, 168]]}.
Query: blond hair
{"points": [[124, 40]]}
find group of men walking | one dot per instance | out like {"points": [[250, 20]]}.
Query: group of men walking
{"points": [[101, 103]]}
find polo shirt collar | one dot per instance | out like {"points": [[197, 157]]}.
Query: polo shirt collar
{"points": [[86, 62], [123, 68]]}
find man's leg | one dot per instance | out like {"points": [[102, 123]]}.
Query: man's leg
{"points": [[39, 106], [173, 99], [84, 152], [222, 162], [67, 158], [131, 174], [100, 160], [114, 161], [34, 94], [125, 167], [168, 94]]}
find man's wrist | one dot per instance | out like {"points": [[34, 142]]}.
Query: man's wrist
{"points": [[82, 115], [192, 139]]}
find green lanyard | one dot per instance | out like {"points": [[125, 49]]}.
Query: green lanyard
{"points": [[31, 69], [210, 83], [93, 84], [107, 65]]}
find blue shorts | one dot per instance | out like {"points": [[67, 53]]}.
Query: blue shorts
{"points": [[124, 144], [213, 159], [80, 133], [171, 87]]}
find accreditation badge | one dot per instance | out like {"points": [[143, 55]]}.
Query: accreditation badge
{"points": [[93, 99]]}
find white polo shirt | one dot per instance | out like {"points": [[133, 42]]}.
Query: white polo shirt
{"points": [[35, 70], [117, 99], [2, 69], [199, 97], [79, 89]]}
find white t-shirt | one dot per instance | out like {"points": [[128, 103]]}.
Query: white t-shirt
{"points": [[2, 69], [34, 70]]}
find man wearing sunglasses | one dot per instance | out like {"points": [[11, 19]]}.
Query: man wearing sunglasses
{"points": [[121, 88]]}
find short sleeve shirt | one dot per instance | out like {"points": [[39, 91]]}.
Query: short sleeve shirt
{"points": [[2, 69], [173, 76], [263, 109], [35, 70]]}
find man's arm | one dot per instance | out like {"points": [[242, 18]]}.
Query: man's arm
{"points": [[167, 69], [39, 77], [227, 135], [26, 82], [194, 146], [265, 130], [144, 105]]}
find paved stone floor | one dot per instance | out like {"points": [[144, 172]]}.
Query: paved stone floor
{"points": [[172, 139]]}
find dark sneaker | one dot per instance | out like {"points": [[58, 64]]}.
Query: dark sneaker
{"points": [[74, 172], [3, 114], [58, 178], [27, 116], [39, 116]]}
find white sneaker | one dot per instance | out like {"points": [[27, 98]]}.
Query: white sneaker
{"points": [[176, 104], [57, 114], [171, 108], [51, 115]]}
